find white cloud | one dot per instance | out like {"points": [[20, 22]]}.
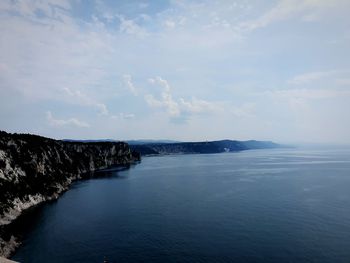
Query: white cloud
{"points": [[307, 10], [143, 5], [196, 106], [123, 116], [129, 26], [180, 107], [311, 77], [166, 101], [82, 99], [129, 84], [72, 122], [300, 98], [169, 23], [244, 111], [161, 82], [208, 51], [44, 53], [28, 8], [145, 17]]}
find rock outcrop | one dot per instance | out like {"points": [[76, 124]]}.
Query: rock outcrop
{"points": [[34, 169]]}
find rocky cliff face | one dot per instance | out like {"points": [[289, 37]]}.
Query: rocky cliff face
{"points": [[34, 169]]}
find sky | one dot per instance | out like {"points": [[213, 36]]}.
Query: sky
{"points": [[184, 70]]}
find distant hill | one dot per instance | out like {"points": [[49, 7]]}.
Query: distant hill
{"points": [[201, 147], [130, 142], [99, 140], [143, 142]]}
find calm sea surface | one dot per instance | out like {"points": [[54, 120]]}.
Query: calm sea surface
{"points": [[254, 206]]}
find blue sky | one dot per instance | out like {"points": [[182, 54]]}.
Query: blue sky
{"points": [[187, 70]]}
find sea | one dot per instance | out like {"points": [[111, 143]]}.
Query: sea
{"points": [[276, 205]]}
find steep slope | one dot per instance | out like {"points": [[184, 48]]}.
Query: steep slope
{"points": [[34, 169]]}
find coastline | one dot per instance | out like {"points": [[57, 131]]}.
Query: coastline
{"points": [[9, 245], [35, 169]]}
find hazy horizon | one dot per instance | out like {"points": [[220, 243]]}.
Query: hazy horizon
{"points": [[274, 70], [298, 144]]}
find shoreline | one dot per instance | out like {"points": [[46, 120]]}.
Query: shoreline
{"points": [[36, 169], [9, 245]]}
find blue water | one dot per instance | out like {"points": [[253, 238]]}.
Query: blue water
{"points": [[255, 206]]}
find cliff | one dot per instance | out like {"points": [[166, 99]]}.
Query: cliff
{"points": [[35, 169], [202, 147]]}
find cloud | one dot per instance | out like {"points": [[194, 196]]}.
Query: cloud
{"points": [[307, 10], [197, 106], [123, 116], [169, 23], [29, 8], [180, 107], [82, 99], [45, 49], [214, 59], [72, 122], [245, 110], [166, 101], [161, 82], [311, 77], [129, 84], [143, 5], [299, 99], [130, 26]]}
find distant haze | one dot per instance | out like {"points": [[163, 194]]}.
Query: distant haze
{"points": [[181, 70]]}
